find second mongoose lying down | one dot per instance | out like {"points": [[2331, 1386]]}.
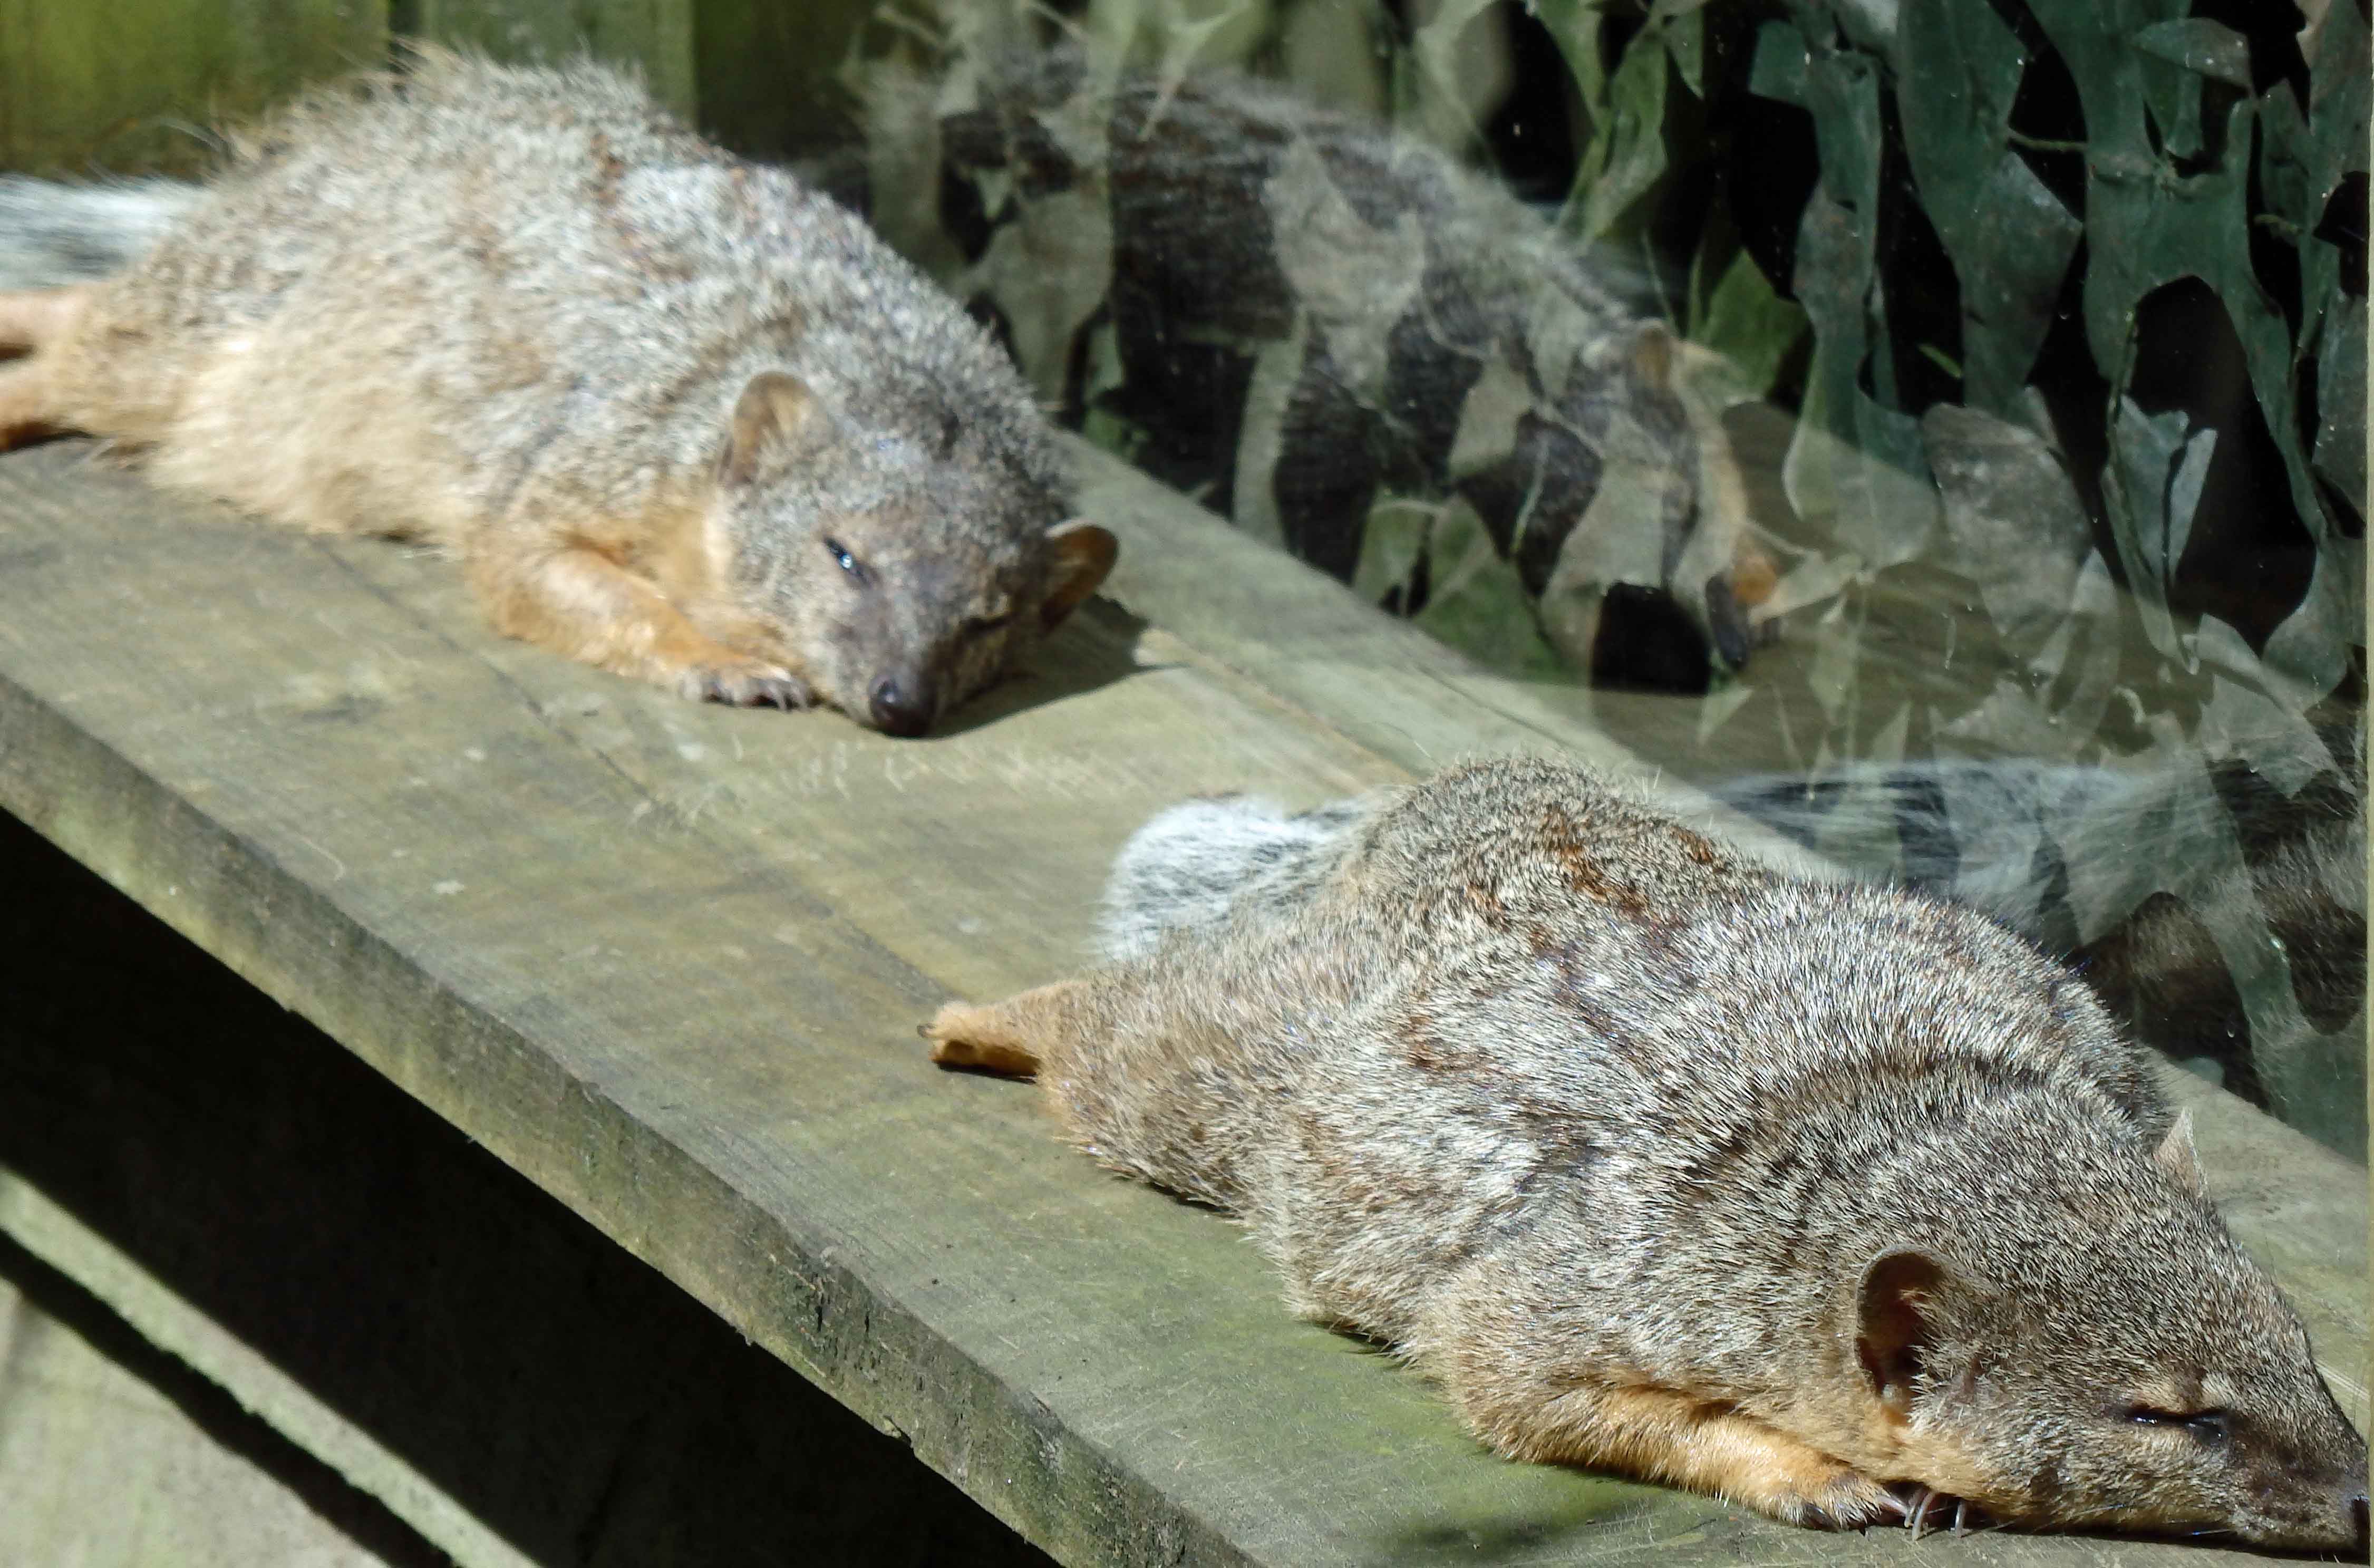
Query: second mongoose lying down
{"points": [[680, 417], [1835, 1200]]}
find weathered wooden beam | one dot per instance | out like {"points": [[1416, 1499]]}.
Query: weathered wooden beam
{"points": [[666, 961]]}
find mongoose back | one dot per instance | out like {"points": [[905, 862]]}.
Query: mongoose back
{"points": [[1833, 1200], [2238, 946], [680, 417]]}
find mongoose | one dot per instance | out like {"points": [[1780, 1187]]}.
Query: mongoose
{"points": [[1297, 315], [680, 417], [1833, 1200], [2237, 947]]}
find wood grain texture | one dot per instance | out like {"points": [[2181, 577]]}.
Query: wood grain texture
{"points": [[666, 961]]}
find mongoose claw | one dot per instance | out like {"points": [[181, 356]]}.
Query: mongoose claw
{"points": [[747, 683], [1927, 1506], [1852, 1501]]}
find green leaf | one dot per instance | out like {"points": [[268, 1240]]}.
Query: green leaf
{"points": [[1628, 149], [1391, 544], [1887, 502], [2173, 95], [2013, 523], [2312, 645], [1747, 322], [1573, 27], [2201, 46], [2144, 451], [1478, 604], [2010, 238], [2340, 453], [1684, 31], [1779, 69]]}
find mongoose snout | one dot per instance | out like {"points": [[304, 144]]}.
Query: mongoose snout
{"points": [[1838, 1201]]}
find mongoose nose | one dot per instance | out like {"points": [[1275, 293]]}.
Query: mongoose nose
{"points": [[2358, 1513], [898, 711]]}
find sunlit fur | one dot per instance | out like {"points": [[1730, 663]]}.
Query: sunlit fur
{"points": [[517, 312], [1808, 1194]]}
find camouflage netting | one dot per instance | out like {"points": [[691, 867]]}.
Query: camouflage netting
{"points": [[2041, 331]]}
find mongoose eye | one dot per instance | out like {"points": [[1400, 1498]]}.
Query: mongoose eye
{"points": [[2210, 1427], [846, 562], [983, 625]]}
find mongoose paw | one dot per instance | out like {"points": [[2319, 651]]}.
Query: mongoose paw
{"points": [[966, 1036], [1841, 1499], [749, 683]]}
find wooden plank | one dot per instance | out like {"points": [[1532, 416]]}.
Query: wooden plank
{"points": [[666, 961], [136, 85]]}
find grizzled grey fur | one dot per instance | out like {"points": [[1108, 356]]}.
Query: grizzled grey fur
{"points": [[681, 416], [1826, 1196]]}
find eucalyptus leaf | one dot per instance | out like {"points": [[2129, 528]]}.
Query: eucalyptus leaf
{"points": [[2312, 645], [1683, 32], [1628, 154], [1748, 321], [1778, 69], [1477, 605], [2204, 47], [2143, 449], [2340, 453], [1953, 95], [2014, 521], [1888, 502], [2172, 94]]}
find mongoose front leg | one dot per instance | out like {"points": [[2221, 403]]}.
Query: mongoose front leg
{"points": [[1684, 1440], [31, 323], [577, 601], [25, 411], [33, 319], [1008, 1037]]}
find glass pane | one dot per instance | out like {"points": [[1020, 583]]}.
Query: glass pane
{"points": [[1937, 428]]}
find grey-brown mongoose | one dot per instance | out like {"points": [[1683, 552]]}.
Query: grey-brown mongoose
{"points": [[1834, 1200], [680, 417]]}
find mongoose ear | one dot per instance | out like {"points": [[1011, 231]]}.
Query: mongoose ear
{"points": [[2175, 1156], [1894, 1326], [1084, 553], [1653, 348], [773, 405]]}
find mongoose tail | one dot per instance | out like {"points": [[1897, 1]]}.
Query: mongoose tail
{"points": [[680, 417], [1836, 1200]]}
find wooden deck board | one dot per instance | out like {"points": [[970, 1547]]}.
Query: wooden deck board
{"points": [[666, 961]]}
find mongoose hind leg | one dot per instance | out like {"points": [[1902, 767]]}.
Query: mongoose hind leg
{"points": [[575, 600], [1009, 1037], [1684, 1440]]}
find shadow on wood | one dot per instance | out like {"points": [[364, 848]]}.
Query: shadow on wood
{"points": [[562, 1391]]}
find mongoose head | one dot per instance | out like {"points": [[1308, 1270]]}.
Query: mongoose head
{"points": [[2148, 1378], [899, 573], [1638, 497]]}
